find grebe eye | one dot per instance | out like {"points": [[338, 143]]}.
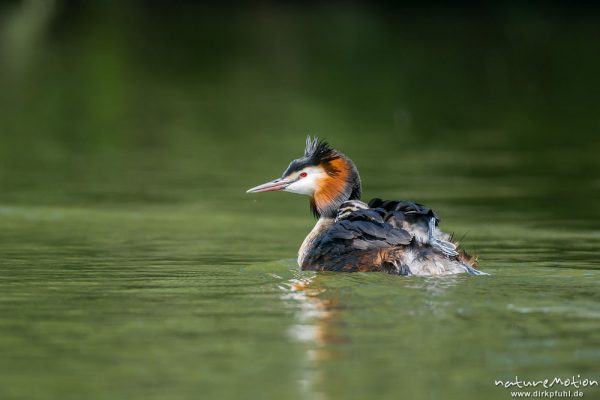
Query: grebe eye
{"points": [[303, 174]]}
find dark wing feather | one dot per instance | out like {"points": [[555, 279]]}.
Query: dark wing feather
{"points": [[355, 241], [373, 237], [404, 210], [417, 219]]}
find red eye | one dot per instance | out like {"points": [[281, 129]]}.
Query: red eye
{"points": [[303, 174]]}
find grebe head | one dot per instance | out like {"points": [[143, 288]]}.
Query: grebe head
{"points": [[326, 175]]}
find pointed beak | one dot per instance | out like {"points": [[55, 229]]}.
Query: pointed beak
{"points": [[277, 184]]}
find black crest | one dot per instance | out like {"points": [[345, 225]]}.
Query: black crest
{"points": [[316, 152]]}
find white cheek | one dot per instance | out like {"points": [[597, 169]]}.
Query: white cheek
{"points": [[303, 186], [306, 185]]}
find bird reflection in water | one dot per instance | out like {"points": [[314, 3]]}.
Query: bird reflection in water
{"points": [[315, 316]]}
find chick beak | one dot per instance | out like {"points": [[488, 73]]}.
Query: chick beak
{"points": [[277, 184]]}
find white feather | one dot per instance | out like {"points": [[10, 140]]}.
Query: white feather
{"points": [[309, 184]]}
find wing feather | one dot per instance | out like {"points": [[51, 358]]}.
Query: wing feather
{"points": [[375, 237]]}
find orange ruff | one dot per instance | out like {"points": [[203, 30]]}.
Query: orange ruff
{"points": [[333, 183]]}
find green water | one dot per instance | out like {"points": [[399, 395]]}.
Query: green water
{"points": [[134, 266]]}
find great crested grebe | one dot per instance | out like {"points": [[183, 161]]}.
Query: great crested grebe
{"points": [[397, 237]]}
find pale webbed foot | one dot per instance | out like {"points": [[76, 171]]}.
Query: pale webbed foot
{"points": [[445, 247]]}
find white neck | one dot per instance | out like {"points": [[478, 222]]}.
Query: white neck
{"points": [[307, 245]]}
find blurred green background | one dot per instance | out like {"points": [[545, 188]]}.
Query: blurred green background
{"points": [[133, 265]]}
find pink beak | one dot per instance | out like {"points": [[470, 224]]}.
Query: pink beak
{"points": [[277, 184]]}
